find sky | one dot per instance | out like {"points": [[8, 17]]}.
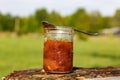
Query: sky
{"points": [[64, 7]]}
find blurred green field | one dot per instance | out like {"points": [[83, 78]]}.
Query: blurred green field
{"points": [[23, 52]]}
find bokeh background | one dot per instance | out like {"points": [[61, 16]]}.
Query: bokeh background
{"points": [[22, 39]]}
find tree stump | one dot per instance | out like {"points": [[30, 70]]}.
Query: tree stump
{"points": [[108, 73]]}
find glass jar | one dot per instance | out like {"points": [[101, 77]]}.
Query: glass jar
{"points": [[58, 50]]}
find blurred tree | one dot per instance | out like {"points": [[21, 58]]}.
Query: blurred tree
{"points": [[6, 22], [41, 15], [1, 21], [66, 20], [80, 20], [17, 26], [116, 19], [106, 22], [29, 25], [32, 24], [23, 25], [55, 18], [96, 21]]}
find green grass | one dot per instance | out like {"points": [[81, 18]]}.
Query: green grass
{"points": [[24, 52], [97, 52]]}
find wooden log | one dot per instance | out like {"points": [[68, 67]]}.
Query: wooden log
{"points": [[77, 74]]}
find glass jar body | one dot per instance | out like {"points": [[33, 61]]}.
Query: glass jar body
{"points": [[58, 50]]}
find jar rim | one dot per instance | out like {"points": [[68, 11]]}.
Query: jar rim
{"points": [[60, 28]]}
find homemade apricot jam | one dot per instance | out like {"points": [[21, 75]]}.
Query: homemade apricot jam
{"points": [[58, 52]]}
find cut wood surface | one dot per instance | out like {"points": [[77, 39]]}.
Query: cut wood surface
{"points": [[112, 73]]}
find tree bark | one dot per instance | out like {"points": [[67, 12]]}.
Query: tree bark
{"points": [[77, 74]]}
